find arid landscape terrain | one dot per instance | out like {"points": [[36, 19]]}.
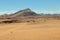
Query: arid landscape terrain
{"points": [[22, 26], [49, 30]]}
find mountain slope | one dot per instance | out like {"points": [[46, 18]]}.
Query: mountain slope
{"points": [[25, 12]]}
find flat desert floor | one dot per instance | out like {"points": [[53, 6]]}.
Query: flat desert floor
{"points": [[49, 30]]}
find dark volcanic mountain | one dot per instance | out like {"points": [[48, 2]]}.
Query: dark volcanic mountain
{"points": [[25, 12]]}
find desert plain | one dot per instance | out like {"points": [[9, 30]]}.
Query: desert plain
{"points": [[48, 30]]}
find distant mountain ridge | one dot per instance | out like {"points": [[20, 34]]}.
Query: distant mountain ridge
{"points": [[25, 13]]}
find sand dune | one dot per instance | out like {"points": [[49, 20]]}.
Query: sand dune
{"points": [[49, 30]]}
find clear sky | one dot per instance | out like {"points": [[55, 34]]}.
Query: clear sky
{"points": [[49, 6]]}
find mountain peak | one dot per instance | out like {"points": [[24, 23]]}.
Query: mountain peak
{"points": [[23, 13], [25, 10]]}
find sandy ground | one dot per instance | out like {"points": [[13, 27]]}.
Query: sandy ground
{"points": [[49, 30]]}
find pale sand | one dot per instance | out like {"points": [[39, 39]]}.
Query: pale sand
{"points": [[49, 30]]}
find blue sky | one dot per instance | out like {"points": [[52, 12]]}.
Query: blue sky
{"points": [[40, 6]]}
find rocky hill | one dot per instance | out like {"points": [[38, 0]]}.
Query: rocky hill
{"points": [[25, 12]]}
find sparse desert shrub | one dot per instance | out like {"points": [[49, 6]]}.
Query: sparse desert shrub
{"points": [[6, 21], [28, 21], [11, 21], [8, 18]]}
